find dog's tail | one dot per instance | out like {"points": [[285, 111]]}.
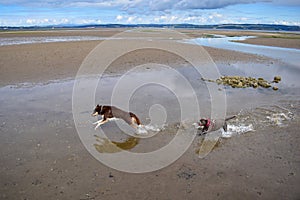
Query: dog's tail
{"points": [[229, 118], [136, 119]]}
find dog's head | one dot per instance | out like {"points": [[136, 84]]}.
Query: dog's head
{"points": [[202, 122], [96, 111]]}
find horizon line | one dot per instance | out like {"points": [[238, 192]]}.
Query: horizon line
{"points": [[142, 24]]}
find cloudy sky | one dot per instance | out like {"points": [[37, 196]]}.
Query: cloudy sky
{"points": [[54, 12]]}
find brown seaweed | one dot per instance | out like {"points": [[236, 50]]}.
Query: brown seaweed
{"points": [[244, 82]]}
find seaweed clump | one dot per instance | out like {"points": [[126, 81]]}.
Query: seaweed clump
{"points": [[245, 82]]}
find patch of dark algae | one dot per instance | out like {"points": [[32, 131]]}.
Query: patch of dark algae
{"points": [[244, 82]]}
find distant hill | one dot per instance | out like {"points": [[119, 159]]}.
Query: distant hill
{"points": [[266, 27]]}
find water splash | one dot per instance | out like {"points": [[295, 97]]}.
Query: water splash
{"points": [[270, 115], [236, 129], [150, 129], [279, 119], [258, 118]]}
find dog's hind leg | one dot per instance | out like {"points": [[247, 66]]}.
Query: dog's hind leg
{"points": [[135, 123], [225, 126], [229, 118]]}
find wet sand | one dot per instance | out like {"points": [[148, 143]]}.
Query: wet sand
{"points": [[276, 42], [43, 158], [51, 163], [50, 61]]}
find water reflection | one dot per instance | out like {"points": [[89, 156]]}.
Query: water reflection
{"points": [[290, 56], [105, 145]]}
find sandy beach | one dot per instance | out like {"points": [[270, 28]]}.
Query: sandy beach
{"points": [[42, 156], [59, 60]]}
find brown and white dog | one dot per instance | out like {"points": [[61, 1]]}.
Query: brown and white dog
{"points": [[208, 125], [110, 112]]}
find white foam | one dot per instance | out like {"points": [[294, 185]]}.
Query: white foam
{"points": [[278, 118], [143, 130], [236, 129]]}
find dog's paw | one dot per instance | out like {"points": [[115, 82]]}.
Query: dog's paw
{"points": [[95, 122], [96, 126]]}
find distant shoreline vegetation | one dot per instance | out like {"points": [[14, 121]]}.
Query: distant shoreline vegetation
{"points": [[258, 27]]}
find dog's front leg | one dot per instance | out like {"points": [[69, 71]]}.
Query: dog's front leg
{"points": [[100, 120], [97, 122], [100, 123]]}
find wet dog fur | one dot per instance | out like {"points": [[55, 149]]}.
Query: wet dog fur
{"points": [[110, 112], [215, 124]]}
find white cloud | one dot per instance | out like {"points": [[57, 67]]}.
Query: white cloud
{"points": [[131, 19], [119, 17], [283, 22], [140, 11], [142, 5], [88, 21], [47, 21], [65, 21], [30, 21], [140, 20]]}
